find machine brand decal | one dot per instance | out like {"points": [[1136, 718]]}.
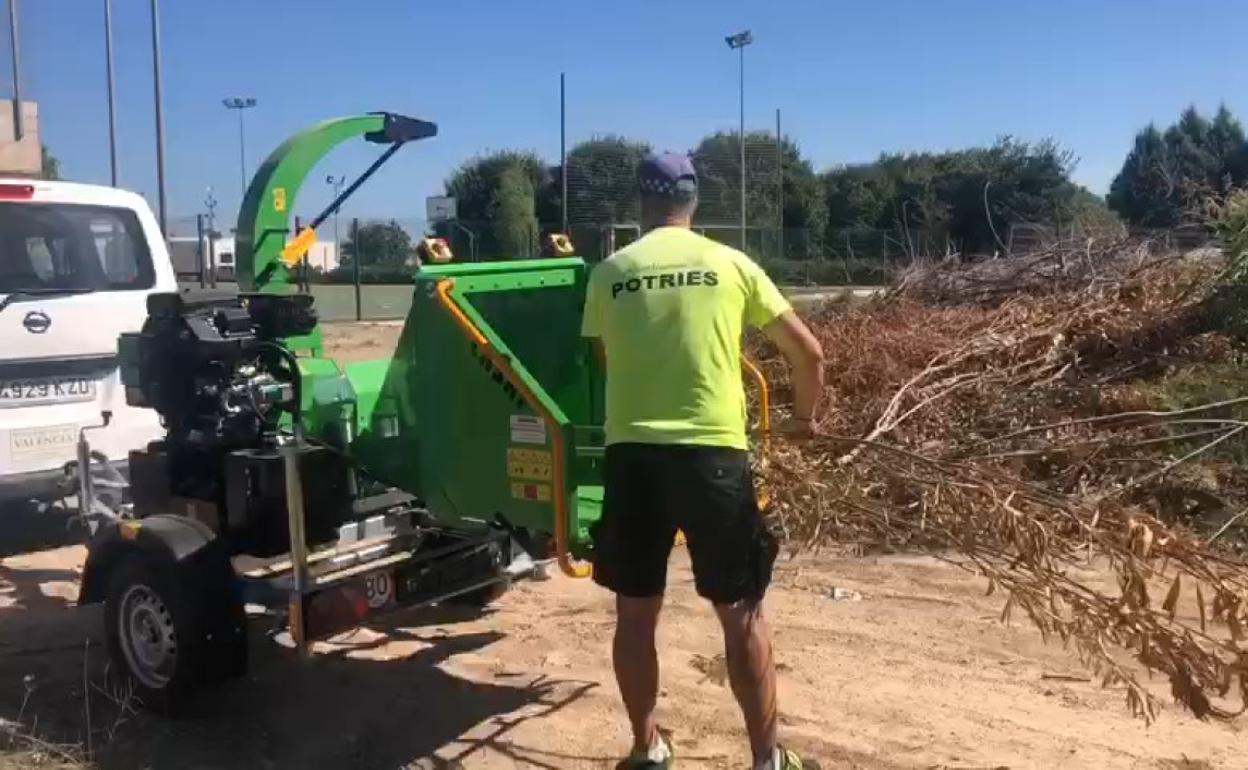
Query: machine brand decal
{"points": [[512, 394], [528, 429], [37, 322], [534, 492], [279, 199], [530, 464]]}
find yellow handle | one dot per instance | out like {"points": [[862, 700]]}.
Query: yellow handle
{"points": [[764, 405], [294, 251], [764, 394]]}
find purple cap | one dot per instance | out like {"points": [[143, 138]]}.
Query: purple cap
{"points": [[668, 173]]}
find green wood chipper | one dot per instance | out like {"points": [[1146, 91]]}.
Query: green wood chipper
{"points": [[468, 458]]}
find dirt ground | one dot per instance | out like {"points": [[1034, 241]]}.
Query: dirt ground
{"points": [[919, 673], [350, 342]]}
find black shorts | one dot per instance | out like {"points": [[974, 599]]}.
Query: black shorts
{"points": [[653, 490]]}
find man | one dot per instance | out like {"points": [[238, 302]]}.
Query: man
{"points": [[668, 313]]}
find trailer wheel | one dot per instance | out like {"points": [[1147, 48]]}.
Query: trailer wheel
{"points": [[150, 632], [168, 638]]}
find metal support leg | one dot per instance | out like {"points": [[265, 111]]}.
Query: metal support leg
{"points": [[101, 488], [298, 542]]}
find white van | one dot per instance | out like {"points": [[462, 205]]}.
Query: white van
{"points": [[77, 263]]}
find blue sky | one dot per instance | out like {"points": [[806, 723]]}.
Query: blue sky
{"points": [[852, 78]]}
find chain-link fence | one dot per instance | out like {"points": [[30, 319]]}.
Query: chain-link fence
{"points": [[358, 269]]}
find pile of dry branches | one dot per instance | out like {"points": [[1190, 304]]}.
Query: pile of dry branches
{"points": [[1016, 434]]}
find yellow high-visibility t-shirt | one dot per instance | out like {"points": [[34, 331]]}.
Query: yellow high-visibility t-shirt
{"points": [[670, 309]]}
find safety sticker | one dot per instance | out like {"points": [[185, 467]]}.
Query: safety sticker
{"points": [[279, 199], [531, 464], [527, 429], [525, 491]]}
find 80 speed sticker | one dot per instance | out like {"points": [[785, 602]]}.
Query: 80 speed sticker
{"points": [[379, 589]]}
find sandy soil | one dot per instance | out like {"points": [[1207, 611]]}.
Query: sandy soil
{"points": [[919, 673], [350, 342]]}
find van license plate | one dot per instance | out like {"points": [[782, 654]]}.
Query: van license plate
{"points": [[46, 390]]}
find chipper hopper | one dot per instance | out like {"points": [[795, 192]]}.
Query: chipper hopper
{"points": [[323, 493]]}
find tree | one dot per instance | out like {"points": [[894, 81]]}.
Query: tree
{"points": [[381, 244], [602, 180], [1167, 176], [475, 184], [51, 164], [718, 163], [717, 159], [512, 217], [857, 197], [967, 198]]}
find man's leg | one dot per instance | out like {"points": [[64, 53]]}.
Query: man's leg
{"points": [[733, 554], [631, 546], [751, 671], [637, 664]]}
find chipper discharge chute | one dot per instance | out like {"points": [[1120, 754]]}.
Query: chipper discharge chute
{"points": [[324, 494]]}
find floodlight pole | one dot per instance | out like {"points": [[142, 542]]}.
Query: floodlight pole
{"points": [[112, 101], [239, 104], [739, 41], [160, 119], [19, 128]]}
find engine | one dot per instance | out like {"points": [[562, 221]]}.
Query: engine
{"points": [[229, 394]]}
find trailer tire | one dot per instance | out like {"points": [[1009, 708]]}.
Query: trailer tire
{"points": [[166, 636]]}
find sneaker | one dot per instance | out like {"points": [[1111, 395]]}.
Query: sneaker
{"points": [[645, 760], [788, 760]]}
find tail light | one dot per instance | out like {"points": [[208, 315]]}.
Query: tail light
{"points": [[16, 192]]}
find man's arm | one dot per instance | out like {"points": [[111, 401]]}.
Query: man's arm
{"points": [[803, 352]]}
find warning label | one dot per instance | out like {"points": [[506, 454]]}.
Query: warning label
{"points": [[527, 429], [532, 464], [536, 492]]}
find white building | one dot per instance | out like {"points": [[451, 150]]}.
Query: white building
{"points": [[20, 157], [188, 253]]}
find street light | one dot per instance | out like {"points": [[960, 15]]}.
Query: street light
{"points": [[19, 128], [112, 102], [335, 183], [160, 119], [738, 42], [240, 104]]}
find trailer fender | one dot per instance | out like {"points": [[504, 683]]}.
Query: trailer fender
{"points": [[186, 545]]}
